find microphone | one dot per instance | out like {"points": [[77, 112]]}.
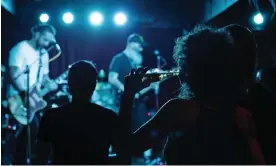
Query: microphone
{"points": [[54, 43], [57, 46], [159, 59], [157, 53]]}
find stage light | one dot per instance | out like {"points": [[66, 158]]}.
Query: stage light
{"points": [[68, 17], [258, 19], [44, 18], [96, 18], [120, 18]]}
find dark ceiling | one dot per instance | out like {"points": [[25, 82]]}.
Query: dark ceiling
{"points": [[153, 13]]}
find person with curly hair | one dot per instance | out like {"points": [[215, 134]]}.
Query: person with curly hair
{"points": [[204, 124]]}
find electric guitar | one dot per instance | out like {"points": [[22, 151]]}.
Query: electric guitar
{"points": [[36, 103]]}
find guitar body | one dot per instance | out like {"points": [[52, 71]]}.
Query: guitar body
{"points": [[18, 109]]}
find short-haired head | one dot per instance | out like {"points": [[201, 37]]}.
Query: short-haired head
{"points": [[82, 79]]}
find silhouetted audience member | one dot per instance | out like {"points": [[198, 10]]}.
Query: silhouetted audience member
{"points": [[246, 46], [203, 125], [80, 132], [260, 98]]}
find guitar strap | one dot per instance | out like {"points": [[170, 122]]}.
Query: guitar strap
{"points": [[39, 65]]}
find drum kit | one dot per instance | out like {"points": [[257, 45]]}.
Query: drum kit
{"points": [[104, 96]]}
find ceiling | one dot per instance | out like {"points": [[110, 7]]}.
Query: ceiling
{"points": [[154, 13]]}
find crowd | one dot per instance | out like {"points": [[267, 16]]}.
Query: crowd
{"points": [[208, 123]]}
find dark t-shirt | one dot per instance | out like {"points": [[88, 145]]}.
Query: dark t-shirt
{"points": [[121, 65], [80, 134]]}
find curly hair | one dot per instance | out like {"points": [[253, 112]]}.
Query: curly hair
{"points": [[207, 56]]}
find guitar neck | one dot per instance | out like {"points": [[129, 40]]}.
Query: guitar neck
{"points": [[44, 91], [61, 77]]}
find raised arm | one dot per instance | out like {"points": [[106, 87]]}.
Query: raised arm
{"points": [[153, 131], [114, 80]]}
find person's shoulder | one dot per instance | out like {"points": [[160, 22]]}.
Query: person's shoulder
{"points": [[119, 55], [242, 112], [19, 46], [187, 110], [173, 101], [105, 111], [44, 53], [180, 103], [52, 112]]}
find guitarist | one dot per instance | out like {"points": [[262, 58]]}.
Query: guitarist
{"points": [[30, 53]]}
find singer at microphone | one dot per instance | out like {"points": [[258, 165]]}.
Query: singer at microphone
{"points": [[29, 55]]}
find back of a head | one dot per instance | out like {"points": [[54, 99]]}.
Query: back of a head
{"points": [[82, 79], [205, 54], [246, 46]]}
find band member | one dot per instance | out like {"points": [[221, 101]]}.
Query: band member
{"points": [[31, 53], [123, 62], [121, 65]]}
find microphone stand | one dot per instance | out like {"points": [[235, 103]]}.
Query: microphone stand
{"points": [[159, 66], [27, 103], [27, 108], [156, 87]]}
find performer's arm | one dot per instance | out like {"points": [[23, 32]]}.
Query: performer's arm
{"points": [[114, 80], [18, 82], [113, 75], [16, 62], [46, 81]]}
